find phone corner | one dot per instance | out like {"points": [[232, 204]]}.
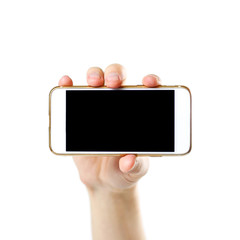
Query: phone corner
{"points": [[52, 90], [187, 152], [55, 153], [186, 88]]}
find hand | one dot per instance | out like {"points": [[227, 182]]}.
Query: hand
{"points": [[112, 173]]}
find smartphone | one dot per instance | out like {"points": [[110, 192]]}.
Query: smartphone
{"points": [[128, 120]]}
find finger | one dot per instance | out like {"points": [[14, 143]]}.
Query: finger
{"points": [[65, 81], [134, 167], [151, 80], [126, 163], [114, 75], [95, 77]]}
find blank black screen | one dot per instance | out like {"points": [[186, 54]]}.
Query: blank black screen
{"points": [[120, 120]]}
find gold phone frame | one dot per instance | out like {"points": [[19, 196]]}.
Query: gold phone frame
{"points": [[110, 154]]}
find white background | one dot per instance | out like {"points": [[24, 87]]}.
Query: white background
{"points": [[193, 43]]}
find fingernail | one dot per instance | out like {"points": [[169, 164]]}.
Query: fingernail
{"points": [[134, 165], [113, 77], [157, 78], [94, 75]]}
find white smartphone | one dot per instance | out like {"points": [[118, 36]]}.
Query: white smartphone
{"points": [[128, 120]]}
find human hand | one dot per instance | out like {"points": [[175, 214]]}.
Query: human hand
{"points": [[113, 173]]}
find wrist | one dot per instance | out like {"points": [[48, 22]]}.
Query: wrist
{"points": [[101, 192], [116, 213]]}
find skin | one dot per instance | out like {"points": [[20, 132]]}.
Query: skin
{"points": [[111, 180]]}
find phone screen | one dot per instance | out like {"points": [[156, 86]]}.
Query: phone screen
{"points": [[120, 120]]}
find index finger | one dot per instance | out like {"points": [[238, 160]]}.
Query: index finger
{"points": [[115, 75], [65, 81]]}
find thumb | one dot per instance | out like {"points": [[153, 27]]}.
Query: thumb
{"points": [[134, 167]]}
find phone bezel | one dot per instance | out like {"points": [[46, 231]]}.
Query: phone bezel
{"points": [[187, 107]]}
